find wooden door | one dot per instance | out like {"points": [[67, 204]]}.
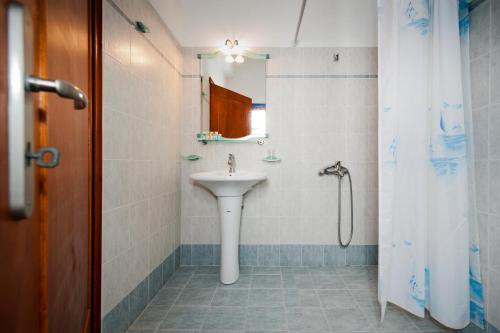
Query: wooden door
{"points": [[229, 112], [68, 58], [46, 260]]}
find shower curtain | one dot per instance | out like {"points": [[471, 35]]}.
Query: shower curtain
{"points": [[428, 240]]}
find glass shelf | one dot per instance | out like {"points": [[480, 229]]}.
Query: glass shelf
{"points": [[191, 157], [250, 138], [271, 159]]}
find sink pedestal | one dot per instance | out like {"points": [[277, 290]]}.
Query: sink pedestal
{"points": [[229, 189], [230, 216]]}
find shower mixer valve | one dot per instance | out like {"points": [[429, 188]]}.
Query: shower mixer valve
{"points": [[340, 171], [337, 170]]}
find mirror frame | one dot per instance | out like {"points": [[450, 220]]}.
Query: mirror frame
{"points": [[213, 55]]}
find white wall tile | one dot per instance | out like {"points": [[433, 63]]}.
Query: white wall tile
{"points": [[141, 188], [309, 118]]}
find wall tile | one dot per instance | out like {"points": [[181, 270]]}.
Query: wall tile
{"points": [[372, 255], [480, 74], [494, 299], [334, 255], [202, 254], [141, 113], [268, 255], [495, 77], [116, 190], [290, 255], [116, 35], [168, 267], [185, 256], [138, 262], [494, 184], [494, 138], [155, 282], [115, 135], [115, 232], [480, 119], [248, 255], [312, 255], [115, 282], [495, 24], [287, 209], [482, 185], [494, 243], [479, 31], [356, 255], [117, 320], [138, 299]]}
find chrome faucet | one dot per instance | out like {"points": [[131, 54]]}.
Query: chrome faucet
{"points": [[337, 169], [232, 163]]}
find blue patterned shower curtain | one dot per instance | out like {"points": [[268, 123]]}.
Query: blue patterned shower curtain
{"points": [[428, 239]]}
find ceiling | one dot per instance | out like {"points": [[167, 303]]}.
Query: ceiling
{"points": [[271, 23]]}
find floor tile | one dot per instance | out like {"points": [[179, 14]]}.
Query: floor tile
{"points": [[185, 317], [230, 297], [361, 282], [186, 270], [259, 319], [243, 282], [166, 296], [204, 281], [354, 270], [427, 323], [328, 282], [207, 270], [301, 298], [297, 281], [394, 320], [225, 318], [195, 296], [306, 319], [150, 318], [246, 270], [267, 282], [346, 320], [365, 297], [322, 271], [266, 270], [178, 280], [295, 270], [337, 299], [265, 297]]}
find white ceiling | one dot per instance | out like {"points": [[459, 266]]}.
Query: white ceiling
{"points": [[271, 23]]}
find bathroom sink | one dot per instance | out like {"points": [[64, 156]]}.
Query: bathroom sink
{"points": [[229, 188], [225, 184]]}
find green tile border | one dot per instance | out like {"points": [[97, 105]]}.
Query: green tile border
{"points": [[283, 255], [119, 319]]}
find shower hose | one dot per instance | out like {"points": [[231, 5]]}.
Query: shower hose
{"points": [[339, 216]]}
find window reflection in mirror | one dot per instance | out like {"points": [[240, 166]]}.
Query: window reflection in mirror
{"points": [[233, 97]]}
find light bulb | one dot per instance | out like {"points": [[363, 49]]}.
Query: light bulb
{"points": [[239, 59], [229, 59], [226, 49]]}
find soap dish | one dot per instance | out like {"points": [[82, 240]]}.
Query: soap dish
{"points": [[191, 157], [271, 159]]}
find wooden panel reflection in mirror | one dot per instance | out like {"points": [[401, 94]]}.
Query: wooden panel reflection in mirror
{"points": [[230, 112]]}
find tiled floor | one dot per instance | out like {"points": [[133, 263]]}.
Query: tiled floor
{"points": [[269, 299]]}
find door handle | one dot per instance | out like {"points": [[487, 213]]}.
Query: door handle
{"points": [[63, 88], [21, 112]]}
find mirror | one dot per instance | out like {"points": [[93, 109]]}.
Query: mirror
{"points": [[233, 97]]}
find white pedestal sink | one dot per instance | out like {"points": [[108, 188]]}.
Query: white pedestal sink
{"points": [[229, 189]]}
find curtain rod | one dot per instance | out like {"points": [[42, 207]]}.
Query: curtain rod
{"points": [[296, 39]]}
